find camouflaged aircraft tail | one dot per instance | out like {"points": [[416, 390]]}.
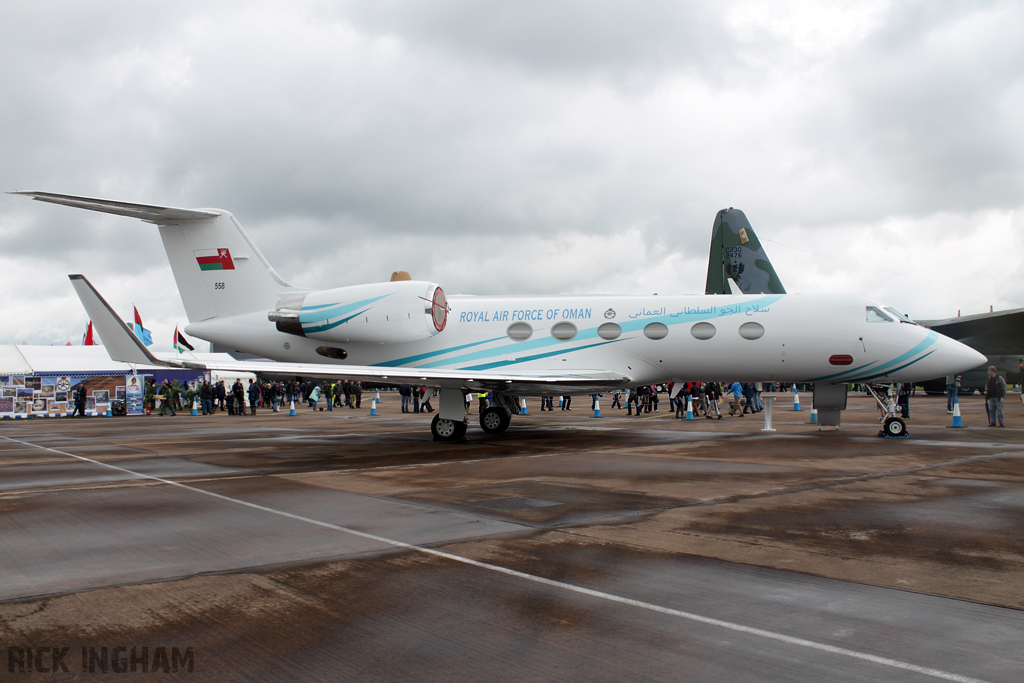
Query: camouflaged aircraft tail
{"points": [[736, 253]]}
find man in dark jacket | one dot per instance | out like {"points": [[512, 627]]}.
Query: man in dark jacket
{"points": [[221, 394], [995, 392], [405, 391], [254, 396], [239, 393], [79, 401], [206, 396]]}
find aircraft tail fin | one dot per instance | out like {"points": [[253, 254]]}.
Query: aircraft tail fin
{"points": [[218, 269], [737, 254]]}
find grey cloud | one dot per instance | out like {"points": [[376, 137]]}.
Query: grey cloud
{"points": [[596, 37]]}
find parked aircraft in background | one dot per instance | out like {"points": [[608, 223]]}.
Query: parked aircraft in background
{"points": [[409, 331], [737, 254]]}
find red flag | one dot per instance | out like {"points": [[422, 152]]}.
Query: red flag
{"points": [[138, 318], [88, 336]]}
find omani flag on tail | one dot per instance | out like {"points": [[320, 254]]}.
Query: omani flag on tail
{"points": [[214, 259], [141, 332], [180, 343]]}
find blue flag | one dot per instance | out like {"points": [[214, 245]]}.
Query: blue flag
{"points": [[143, 334]]}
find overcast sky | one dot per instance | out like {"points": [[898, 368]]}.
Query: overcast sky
{"points": [[516, 147]]}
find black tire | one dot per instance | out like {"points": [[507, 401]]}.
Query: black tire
{"points": [[448, 431], [895, 426], [495, 420]]}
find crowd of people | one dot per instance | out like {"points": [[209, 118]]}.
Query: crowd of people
{"points": [[711, 400]]}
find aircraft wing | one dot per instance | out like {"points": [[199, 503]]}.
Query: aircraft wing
{"points": [[1003, 324], [146, 212], [124, 346]]}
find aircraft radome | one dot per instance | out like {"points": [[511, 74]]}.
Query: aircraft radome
{"points": [[411, 332]]}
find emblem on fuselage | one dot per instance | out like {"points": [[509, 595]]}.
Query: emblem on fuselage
{"points": [[610, 313]]}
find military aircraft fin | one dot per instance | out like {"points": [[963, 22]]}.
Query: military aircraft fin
{"points": [[737, 255]]}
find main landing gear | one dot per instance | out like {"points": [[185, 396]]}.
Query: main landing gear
{"points": [[448, 431], [495, 420], [893, 427]]}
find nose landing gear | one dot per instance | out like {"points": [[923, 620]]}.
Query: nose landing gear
{"points": [[893, 426]]}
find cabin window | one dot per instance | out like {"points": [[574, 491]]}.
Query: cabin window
{"points": [[563, 331], [877, 315], [609, 331], [656, 331], [703, 331], [751, 330], [519, 331]]}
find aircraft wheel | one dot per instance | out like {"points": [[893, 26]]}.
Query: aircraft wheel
{"points": [[495, 420], [894, 426], [447, 430]]}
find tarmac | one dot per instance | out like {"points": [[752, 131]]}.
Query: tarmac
{"points": [[339, 546]]}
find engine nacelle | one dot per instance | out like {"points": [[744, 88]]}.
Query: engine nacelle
{"points": [[382, 312]]}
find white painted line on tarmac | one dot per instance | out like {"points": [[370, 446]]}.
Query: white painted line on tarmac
{"points": [[610, 597]]}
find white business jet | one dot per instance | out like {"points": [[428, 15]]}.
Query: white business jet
{"points": [[410, 332]]}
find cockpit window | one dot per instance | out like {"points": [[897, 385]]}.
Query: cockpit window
{"points": [[900, 316], [877, 315]]}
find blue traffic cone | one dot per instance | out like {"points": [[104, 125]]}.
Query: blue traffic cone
{"points": [[194, 411], [291, 412], [957, 422], [108, 413], [522, 406], [597, 407], [373, 407], [796, 398], [689, 408], [814, 416]]}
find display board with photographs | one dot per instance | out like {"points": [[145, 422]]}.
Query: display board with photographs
{"points": [[6, 406], [34, 383], [101, 395]]}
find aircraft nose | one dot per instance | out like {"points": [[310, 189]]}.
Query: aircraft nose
{"points": [[959, 357]]}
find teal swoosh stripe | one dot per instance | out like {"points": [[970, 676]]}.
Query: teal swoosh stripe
{"points": [[865, 379], [525, 359], [844, 372], [591, 332], [930, 339], [331, 326], [336, 310], [431, 354]]}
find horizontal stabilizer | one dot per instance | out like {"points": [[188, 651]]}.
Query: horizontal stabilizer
{"points": [[146, 212], [120, 342]]}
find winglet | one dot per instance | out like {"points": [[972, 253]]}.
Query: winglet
{"points": [[120, 342]]}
